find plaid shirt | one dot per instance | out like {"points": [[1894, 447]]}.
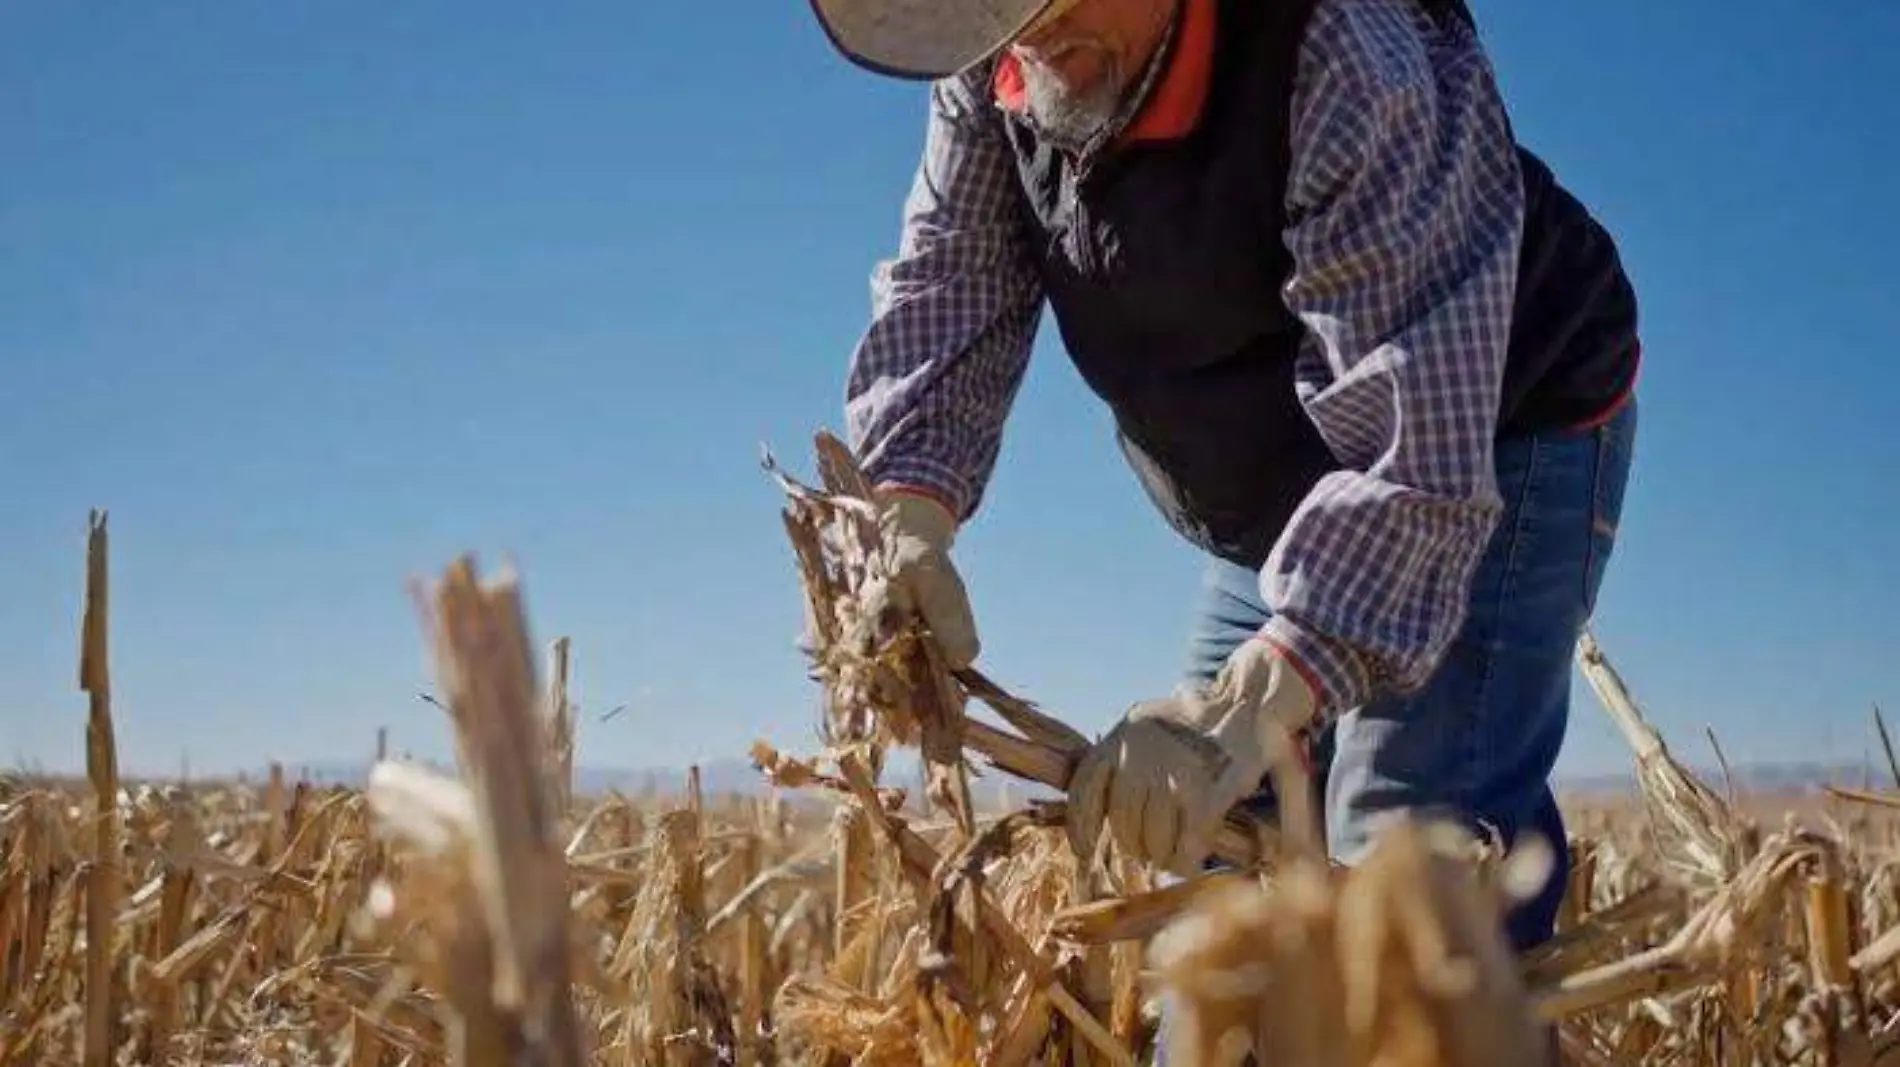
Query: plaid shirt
{"points": [[1405, 214]]}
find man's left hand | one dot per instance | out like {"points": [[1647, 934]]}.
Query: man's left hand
{"points": [[1162, 780]]}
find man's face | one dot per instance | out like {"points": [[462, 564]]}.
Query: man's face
{"points": [[1077, 65]]}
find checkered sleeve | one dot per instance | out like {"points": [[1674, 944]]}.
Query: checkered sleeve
{"points": [[954, 313], [1405, 215]]}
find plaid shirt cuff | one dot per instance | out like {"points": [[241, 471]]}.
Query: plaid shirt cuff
{"points": [[919, 474], [1337, 676]]}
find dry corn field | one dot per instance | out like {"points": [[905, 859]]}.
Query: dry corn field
{"points": [[844, 918]]}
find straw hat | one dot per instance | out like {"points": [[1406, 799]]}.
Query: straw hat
{"points": [[926, 39]]}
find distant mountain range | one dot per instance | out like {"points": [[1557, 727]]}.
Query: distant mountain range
{"points": [[718, 776], [1758, 778], [724, 776]]}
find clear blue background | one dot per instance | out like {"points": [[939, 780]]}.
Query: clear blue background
{"points": [[314, 296]]}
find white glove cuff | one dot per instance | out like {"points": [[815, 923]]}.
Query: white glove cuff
{"points": [[920, 515]]}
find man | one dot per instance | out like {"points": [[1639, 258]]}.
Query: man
{"points": [[1360, 347]]}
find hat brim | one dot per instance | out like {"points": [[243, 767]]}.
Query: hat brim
{"points": [[923, 40]]}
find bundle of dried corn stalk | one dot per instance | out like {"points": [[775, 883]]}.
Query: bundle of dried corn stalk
{"points": [[885, 685]]}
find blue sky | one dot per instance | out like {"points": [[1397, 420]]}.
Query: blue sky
{"points": [[315, 296]]}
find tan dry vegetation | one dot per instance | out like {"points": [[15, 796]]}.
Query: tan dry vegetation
{"points": [[492, 918]]}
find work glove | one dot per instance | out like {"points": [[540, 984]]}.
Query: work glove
{"points": [[1163, 779], [920, 531]]}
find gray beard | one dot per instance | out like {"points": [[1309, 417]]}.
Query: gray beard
{"points": [[1071, 120]]}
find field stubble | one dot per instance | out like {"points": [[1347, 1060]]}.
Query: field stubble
{"points": [[492, 918]]}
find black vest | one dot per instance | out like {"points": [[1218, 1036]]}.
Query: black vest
{"points": [[1163, 265]]}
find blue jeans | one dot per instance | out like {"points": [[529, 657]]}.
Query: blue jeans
{"points": [[1478, 743]]}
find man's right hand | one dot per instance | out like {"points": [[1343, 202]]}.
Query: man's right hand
{"points": [[921, 530]]}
